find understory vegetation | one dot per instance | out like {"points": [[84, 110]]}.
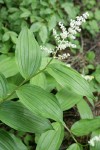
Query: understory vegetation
{"points": [[50, 75]]}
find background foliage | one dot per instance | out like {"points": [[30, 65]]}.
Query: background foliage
{"points": [[41, 17]]}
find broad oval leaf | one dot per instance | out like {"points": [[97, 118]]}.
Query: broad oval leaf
{"points": [[3, 86], [10, 142], [43, 33], [52, 139], [15, 115], [74, 146], [28, 53], [40, 102], [8, 66], [85, 126], [67, 99], [66, 76], [52, 22], [35, 26], [39, 80], [84, 110]]}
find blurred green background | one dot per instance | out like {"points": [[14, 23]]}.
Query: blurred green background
{"points": [[41, 16]]}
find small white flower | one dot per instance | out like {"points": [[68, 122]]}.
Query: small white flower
{"points": [[79, 18], [87, 77], [57, 37], [85, 15], [63, 56], [96, 138], [73, 45], [78, 29], [72, 23], [64, 35], [78, 23], [68, 65], [62, 27], [61, 46], [72, 36], [93, 140], [72, 31], [46, 49]]}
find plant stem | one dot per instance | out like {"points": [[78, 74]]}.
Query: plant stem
{"points": [[73, 135], [70, 132], [26, 80]]}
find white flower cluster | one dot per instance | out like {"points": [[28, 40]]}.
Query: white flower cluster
{"points": [[47, 50], [87, 77], [74, 26], [93, 140], [63, 38], [63, 56], [64, 44], [72, 31]]}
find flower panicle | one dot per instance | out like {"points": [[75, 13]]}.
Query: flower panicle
{"points": [[63, 38], [70, 33]]}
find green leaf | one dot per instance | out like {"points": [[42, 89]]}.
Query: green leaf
{"points": [[35, 26], [85, 126], [53, 2], [39, 80], [51, 83], [68, 7], [43, 3], [25, 14], [5, 37], [90, 56], [5, 47], [16, 79], [3, 86], [28, 54], [66, 76], [13, 36], [11, 88], [8, 67], [96, 74], [15, 115], [18, 142], [52, 139], [1, 1], [40, 102], [10, 34], [84, 110], [67, 99], [74, 146], [10, 142], [93, 27], [52, 22], [97, 16], [43, 33], [45, 61], [97, 143]]}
